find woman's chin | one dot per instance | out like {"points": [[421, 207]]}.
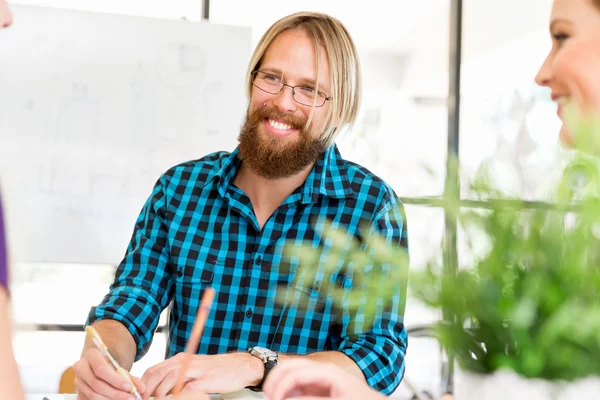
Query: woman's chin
{"points": [[565, 137]]}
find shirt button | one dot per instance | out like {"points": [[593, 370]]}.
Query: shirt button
{"points": [[249, 313], [258, 260], [179, 273], [316, 288]]}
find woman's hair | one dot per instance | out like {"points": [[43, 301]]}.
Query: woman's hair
{"points": [[343, 63], [597, 3]]}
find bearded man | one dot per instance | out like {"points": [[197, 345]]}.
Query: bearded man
{"points": [[221, 222]]}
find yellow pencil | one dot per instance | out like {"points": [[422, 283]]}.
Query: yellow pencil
{"points": [[93, 334]]}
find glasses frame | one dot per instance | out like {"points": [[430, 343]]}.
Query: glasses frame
{"points": [[282, 85]]}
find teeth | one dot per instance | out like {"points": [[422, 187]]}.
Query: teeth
{"points": [[279, 125]]}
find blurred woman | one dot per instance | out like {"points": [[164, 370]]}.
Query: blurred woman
{"points": [[9, 374], [572, 69]]}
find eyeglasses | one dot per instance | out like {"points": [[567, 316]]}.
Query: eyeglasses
{"points": [[302, 94]]}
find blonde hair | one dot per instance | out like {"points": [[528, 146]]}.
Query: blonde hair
{"points": [[343, 60]]}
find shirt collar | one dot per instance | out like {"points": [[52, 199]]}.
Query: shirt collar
{"points": [[329, 176]]}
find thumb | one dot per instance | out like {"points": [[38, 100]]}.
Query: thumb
{"points": [[138, 383]]}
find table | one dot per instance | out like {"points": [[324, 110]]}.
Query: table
{"points": [[242, 395]]}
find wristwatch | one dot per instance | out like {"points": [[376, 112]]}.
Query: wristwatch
{"points": [[269, 357]]}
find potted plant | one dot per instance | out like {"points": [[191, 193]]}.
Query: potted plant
{"points": [[526, 309]]}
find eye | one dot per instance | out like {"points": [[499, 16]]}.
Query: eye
{"points": [[308, 89], [271, 78], [560, 37]]}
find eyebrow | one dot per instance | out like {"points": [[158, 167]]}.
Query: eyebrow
{"points": [[559, 20], [306, 81]]}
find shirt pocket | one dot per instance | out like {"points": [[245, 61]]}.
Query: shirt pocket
{"points": [[321, 289], [312, 314], [319, 302], [196, 271]]}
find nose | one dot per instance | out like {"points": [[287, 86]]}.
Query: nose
{"points": [[284, 100], [544, 75]]}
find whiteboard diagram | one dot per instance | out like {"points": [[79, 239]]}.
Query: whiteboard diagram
{"points": [[89, 121]]}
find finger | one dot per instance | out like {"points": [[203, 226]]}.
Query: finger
{"points": [[166, 385], [315, 380], [193, 381], [105, 372], [153, 377], [100, 387], [281, 369], [85, 392], [138, 383]]}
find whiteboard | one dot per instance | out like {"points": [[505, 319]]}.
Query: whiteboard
{"points": [[93, 108]]}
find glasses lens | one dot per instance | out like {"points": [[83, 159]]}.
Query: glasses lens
{"points": [[268, 83]]}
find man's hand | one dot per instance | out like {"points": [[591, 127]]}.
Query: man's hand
{"points": [[189, 394], [307, 380], [6, 17], [222, 373], [95, 378]]}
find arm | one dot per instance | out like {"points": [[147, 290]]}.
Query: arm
{"points": [[117, 338], [304, 379], [142, 286], [9, 374], [378, 344], [333, 357], [10, 381], [127, 317]]}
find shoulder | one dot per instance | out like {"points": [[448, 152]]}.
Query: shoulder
{"points": [[366, 184], [195, 172]]}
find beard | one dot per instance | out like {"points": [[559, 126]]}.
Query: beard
{"points": [[272, 157]]}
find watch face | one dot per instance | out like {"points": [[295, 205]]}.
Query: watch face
{"points": [[264, 351]]}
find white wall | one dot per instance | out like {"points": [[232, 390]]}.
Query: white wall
{"points": [[171, 9]]}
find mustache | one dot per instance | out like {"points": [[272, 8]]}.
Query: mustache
{"points": [[269, 113]]}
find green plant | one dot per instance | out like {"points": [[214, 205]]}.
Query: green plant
{"points": [[528, 301], [379, 271]]}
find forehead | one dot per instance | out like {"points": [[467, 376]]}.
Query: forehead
{"points": [[292, 53], [577, 11]]}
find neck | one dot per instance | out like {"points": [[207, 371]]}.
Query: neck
{"points": [[266, 195]]}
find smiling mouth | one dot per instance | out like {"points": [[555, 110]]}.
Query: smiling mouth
{"points": [[279, 128], [561, 101]]}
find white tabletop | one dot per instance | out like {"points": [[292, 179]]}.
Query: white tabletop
{"points": [[242, 395]]}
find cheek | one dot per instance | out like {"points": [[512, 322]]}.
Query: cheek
{"points": [[318, 121], [565, 68], [258, 98]]}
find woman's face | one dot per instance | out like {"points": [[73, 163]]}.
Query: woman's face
{"points": [[572, 69]]}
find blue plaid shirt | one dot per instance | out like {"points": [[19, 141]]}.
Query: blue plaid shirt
{"points": [[197, 230]]}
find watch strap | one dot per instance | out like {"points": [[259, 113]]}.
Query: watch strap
{"points": [[269, 365]]}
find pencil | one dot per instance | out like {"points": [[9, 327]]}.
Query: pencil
{"points": [[192, 344], [95, 336]]}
